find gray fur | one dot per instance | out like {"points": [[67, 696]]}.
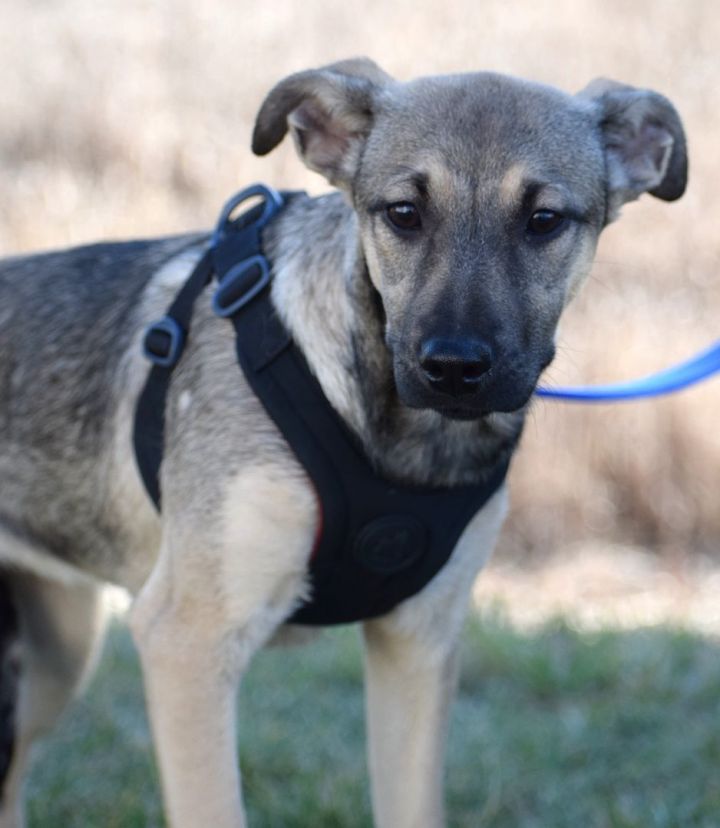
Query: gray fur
{"points": [[477, 155], [66, 323]]}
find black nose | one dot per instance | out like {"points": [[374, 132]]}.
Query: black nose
{"points": [[455, 366]]}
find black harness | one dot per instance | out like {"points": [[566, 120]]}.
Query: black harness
{"points": [[380, 542]]}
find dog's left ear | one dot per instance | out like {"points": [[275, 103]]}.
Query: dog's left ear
{"points": [[645, 146], [329, 112]]}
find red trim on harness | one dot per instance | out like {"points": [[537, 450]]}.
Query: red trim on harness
{"points": [[319, 526]]}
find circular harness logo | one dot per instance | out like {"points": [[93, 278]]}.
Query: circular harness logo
{"points": [[390, 544]]}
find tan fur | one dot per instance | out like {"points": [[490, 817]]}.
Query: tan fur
{"points": [[220, 621], [411, 664], [510, 187], [127, 497]]}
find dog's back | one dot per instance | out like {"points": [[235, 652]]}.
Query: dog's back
{"points": [[66, 321]]}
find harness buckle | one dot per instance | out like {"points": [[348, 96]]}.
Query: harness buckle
{"points": [[272, 202], [240, 285], [163, 342]]}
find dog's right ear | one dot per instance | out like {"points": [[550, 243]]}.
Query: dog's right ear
{"points": [[329, 112], [644, 142]]}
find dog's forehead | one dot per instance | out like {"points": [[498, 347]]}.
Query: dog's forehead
{"points": [[485, 126], [482, 109]]}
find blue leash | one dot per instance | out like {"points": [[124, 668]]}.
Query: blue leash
{"points": [[700, 367]]}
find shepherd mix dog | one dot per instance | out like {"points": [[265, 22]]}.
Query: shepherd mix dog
{"points": [[425, 296]]}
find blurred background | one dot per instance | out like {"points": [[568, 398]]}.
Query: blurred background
{"points": [[128, 119], [133, 119]]}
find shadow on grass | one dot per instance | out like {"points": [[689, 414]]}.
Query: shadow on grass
{"points": [[553, 728]]}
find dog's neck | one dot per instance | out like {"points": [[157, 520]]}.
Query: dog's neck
{"points": [[326, 298]]}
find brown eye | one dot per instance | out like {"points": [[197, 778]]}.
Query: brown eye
{"points": [[544, 222], [404, 216]]}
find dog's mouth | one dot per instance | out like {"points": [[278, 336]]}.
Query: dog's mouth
{"points": [[479, 407], [467, 413], [461, 413], [470, 408]]}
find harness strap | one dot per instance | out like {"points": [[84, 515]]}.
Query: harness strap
{"points": [[163, 345], [164, 340], [381, 541]]}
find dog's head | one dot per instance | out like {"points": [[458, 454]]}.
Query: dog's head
{"points": [[479, 201]]}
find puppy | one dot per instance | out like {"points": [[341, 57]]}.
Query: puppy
{"points": [[423, 298]]}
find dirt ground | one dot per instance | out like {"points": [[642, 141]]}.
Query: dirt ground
{"points": [[599, 585]]}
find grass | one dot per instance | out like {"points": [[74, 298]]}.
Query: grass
{"points": [[134, 119], [553, 728]]}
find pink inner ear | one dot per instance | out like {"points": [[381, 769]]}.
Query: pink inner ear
{"points": [[659, 143], [322, 137], [644, 154], [647, 153]]}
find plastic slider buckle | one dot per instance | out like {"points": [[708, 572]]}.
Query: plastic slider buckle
{"points": [[241, 284], [163, 342], [272, 203]]}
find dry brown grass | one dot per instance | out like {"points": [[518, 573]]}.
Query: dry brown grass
{"points": [[133, 118]]}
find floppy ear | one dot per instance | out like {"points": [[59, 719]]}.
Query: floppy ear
{"points": [[645, 148], [329, 112]]}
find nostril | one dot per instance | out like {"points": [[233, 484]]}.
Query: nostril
{"points": [[473, 371], [434, 369]]}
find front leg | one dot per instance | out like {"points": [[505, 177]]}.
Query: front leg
{"points": [[411, 669], [221, 587], [190, 685], [409, 691]]}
